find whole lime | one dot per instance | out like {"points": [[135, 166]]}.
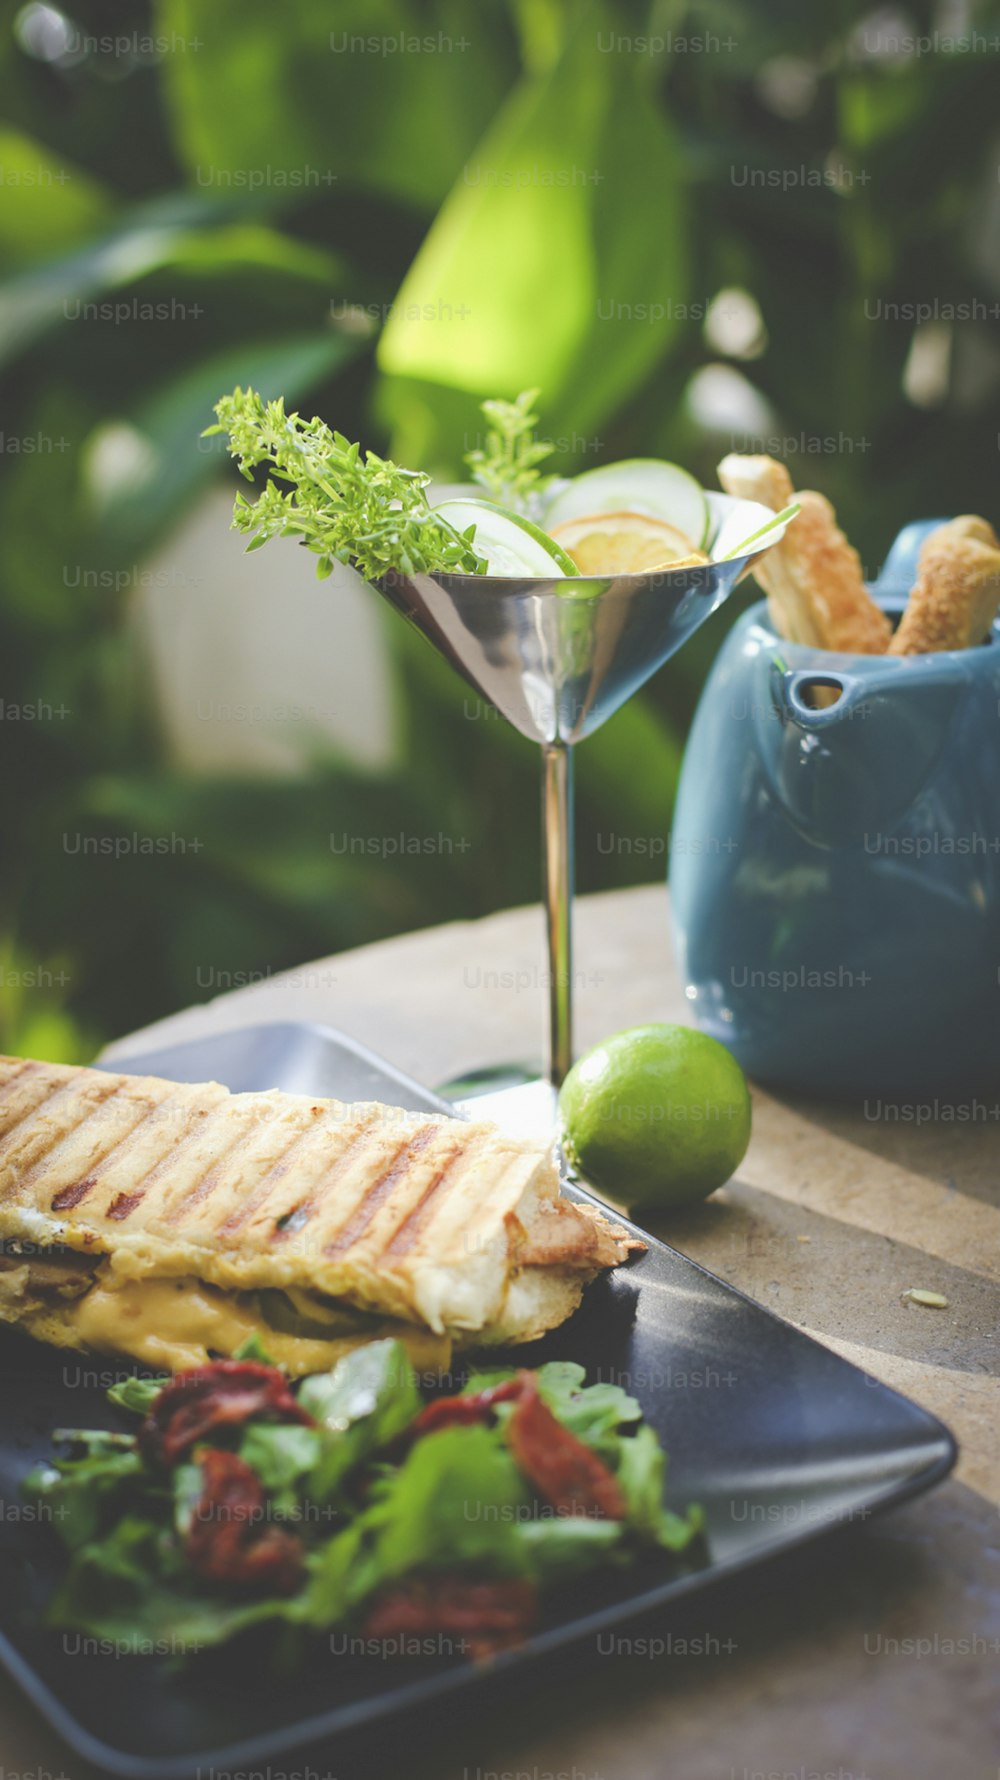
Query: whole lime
{"points": [[657, 1116]]}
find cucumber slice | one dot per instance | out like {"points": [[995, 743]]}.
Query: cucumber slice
{"points": [[636, 485], [512, 546]]}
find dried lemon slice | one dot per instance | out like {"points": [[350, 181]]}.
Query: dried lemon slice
{"points": [[624, 543]]}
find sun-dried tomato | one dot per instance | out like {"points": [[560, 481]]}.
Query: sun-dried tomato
{"points": [[229, 1540], [224, 1394], [564, 1471], [461, 1412], [480, 1618]]}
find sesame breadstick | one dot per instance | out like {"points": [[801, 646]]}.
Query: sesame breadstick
{"points": [[812, 576], [956, 594]]}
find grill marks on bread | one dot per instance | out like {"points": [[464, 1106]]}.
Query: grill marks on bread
{"points": [[421, 1219], [253, 1189]]}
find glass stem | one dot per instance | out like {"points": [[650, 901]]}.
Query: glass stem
{"points": [[557, 879]]}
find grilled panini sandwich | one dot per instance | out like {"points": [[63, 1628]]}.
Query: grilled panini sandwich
{"points": [[171, 1222]]}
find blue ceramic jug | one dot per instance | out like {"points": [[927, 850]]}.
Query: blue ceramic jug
{"points": [[835, 872]]}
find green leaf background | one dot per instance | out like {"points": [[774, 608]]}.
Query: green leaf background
{"points": [[503, 208]]}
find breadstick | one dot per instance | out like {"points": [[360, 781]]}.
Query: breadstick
{"points": [[812, 576], [955, 597]]}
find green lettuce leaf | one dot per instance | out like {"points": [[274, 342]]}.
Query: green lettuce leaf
{"points": [[283, 1457], [591, 1412], [136, 1394], [130, 1591], [457, 1502], [367, 1400], [79, 1492], [594, 1413], [253, 1349], [189, 1483], [558, 1547], [641, 1471], [343, 1573]]}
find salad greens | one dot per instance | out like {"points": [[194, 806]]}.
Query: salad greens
{"points": [[371, 1508]]}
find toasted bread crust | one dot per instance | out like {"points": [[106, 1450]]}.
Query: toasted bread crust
{"points": [[956, 595], [760, 479], [812, 577]]}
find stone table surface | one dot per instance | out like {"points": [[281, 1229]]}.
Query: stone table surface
{"points": [[874, 1653]]}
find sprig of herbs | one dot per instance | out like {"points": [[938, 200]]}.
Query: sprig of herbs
{"points": [[507, 467], [345, 505]]}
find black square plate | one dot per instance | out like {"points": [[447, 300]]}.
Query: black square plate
{"points": [[779, 1439]]}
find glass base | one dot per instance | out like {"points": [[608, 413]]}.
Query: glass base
{"points": [[515, 1096]]}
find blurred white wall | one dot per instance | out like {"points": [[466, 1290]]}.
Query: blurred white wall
{"points": [[256, 663]]}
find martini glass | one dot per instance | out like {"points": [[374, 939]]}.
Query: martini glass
{"points": [[556, 658]]}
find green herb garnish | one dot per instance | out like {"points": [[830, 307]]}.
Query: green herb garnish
{"points": [[344, 504], [507, 468]]}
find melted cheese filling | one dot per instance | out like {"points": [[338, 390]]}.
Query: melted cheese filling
{"points": [[176, 1323]]}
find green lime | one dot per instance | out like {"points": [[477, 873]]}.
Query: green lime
{"points": [[657, 1116]]}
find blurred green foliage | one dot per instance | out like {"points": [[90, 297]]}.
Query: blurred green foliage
{"points": [[546, 191]]}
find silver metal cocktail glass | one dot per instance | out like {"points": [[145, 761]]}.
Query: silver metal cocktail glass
{"points": [[556, 658]]}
